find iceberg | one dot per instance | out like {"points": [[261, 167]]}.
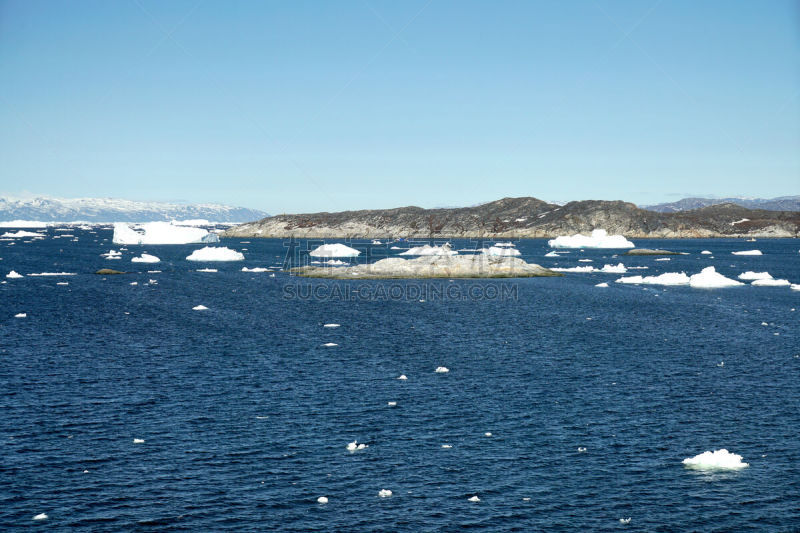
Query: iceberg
{"points": [[795, 286], [41, 516], [705, 252], [14, 275], [716, 460], [754, 275], [575, 269], [598, 239], [709, 278], [21, 315], [551, 254], [668, 278], [385, 493], [748, 252], [161, 233], [145, 258], [770, 282], [614, 269], [256, 269], [427, 249], [322, 500], [200, 307], [442, 370], [210, 253], [474, 499], [21, 234], [604, 284], [334, 250], [500, 251]]}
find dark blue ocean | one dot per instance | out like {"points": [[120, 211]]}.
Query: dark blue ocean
{"points": [[246, 414]]}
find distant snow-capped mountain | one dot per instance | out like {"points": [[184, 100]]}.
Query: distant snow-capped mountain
{"points": [[47, 209], [782, 203]]}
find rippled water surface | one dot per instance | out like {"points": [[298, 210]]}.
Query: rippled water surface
{"points": [[246, 415]]}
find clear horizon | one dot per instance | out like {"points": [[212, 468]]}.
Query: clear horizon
{"points": [[309, 106]]}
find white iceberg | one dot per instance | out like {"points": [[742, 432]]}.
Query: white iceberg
{"points": [[770, 282], [551, 254], [209, 270], [385, 493], [256, 269], [331, 325], [614, 269], [575, 269], [14, 275], [54, 274], [21, 234], [442, 370], [705, 252], [330, 344], [40, 516], [21, 315], [376, 242], [474, 499], [709, 278], [138, 441], [145, 258], [334, 250], [795, 286], [210, 253], [427, 249], [598, 239], [668, 278], [161, 233], [602, 285], [716, 460], [500, 251], [322, 499], [748, 252], [22, 224], [750, 275], [199, 308]]}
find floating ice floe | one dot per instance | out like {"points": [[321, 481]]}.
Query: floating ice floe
{"points": [[585, 261], [716, 460], [748, 252], [474, 499], [161, 233], [607, 269], [40, 516], [598, 239], [442, 370], [384, 493], [446, 446], [211, 253], [581, 449], [500, 251], [334, 250], [53, 274], [330, 325], [604, 284], [21, 233], [21, 315], [391, 404], [625, 521], [353, 446], [427, 249], [551, 254], [145, 258], [709, 278], [614, 269], [587, 269], [199, 308], [211, 270], [22, 224], [322, 499], [402, 377], [138, 441], [795, 286], [330, 344], [112, 254], [664, 259], [256, 269], [750, 275], [705, 252], [488, 434], [62, 283], [376, 242], [771, 283], [134, 283], [14, 275], [668, 278]]}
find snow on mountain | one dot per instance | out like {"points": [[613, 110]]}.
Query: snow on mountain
{"points": [[782, 203], [46, 209]]}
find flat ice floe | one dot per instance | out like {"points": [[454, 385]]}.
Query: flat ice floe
{"points": [[551, 254], [199, 308], [604, 284], [112, 254], [210, 253], [427, 249], [716, 460], [771, 283], [138, 441], [22, 224], [607, 269], [54, 274], [668, 278], [330, 325], [500, 251], [353, 446], [40, 516], [795, 286], [330, 344], [334, 250], [322, 500], [21, 234], [705, 252], [750, 275], [709, 278], [442, 370], [598, 239], [474, 499], [210, 270], [161, 233], [14, 275], [748, 252], [256, 269], [385, 493], [145, 258], [21, 315]]}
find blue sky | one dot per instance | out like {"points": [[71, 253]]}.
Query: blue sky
{"points": [[312, 105]]}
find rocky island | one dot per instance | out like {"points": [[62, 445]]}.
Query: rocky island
{"points": [[514, 218]]}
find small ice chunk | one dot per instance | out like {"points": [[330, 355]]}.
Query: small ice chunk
{"points": [[581, 449], [604, 284], [21, 315], [750, 275], [331, 326], [145, 258], [62, 283], [384, 493], [427, 249], [717, 460], [13, 275], [212, 253], [330, 344], [474, 499], [352, 446], [134, 283], [391, 404], [705, 252], [255, 269], [199, 308], [771, 283], [446, 446], [625, 521], [667, 278], [402, 377], [138, 441], [598, 239], [40, 516], [664, 259], [442, 370], [322, 499], [551, 254], [334, 250], [709, 278], [488, 434], [211, 270], [748, 252]]}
